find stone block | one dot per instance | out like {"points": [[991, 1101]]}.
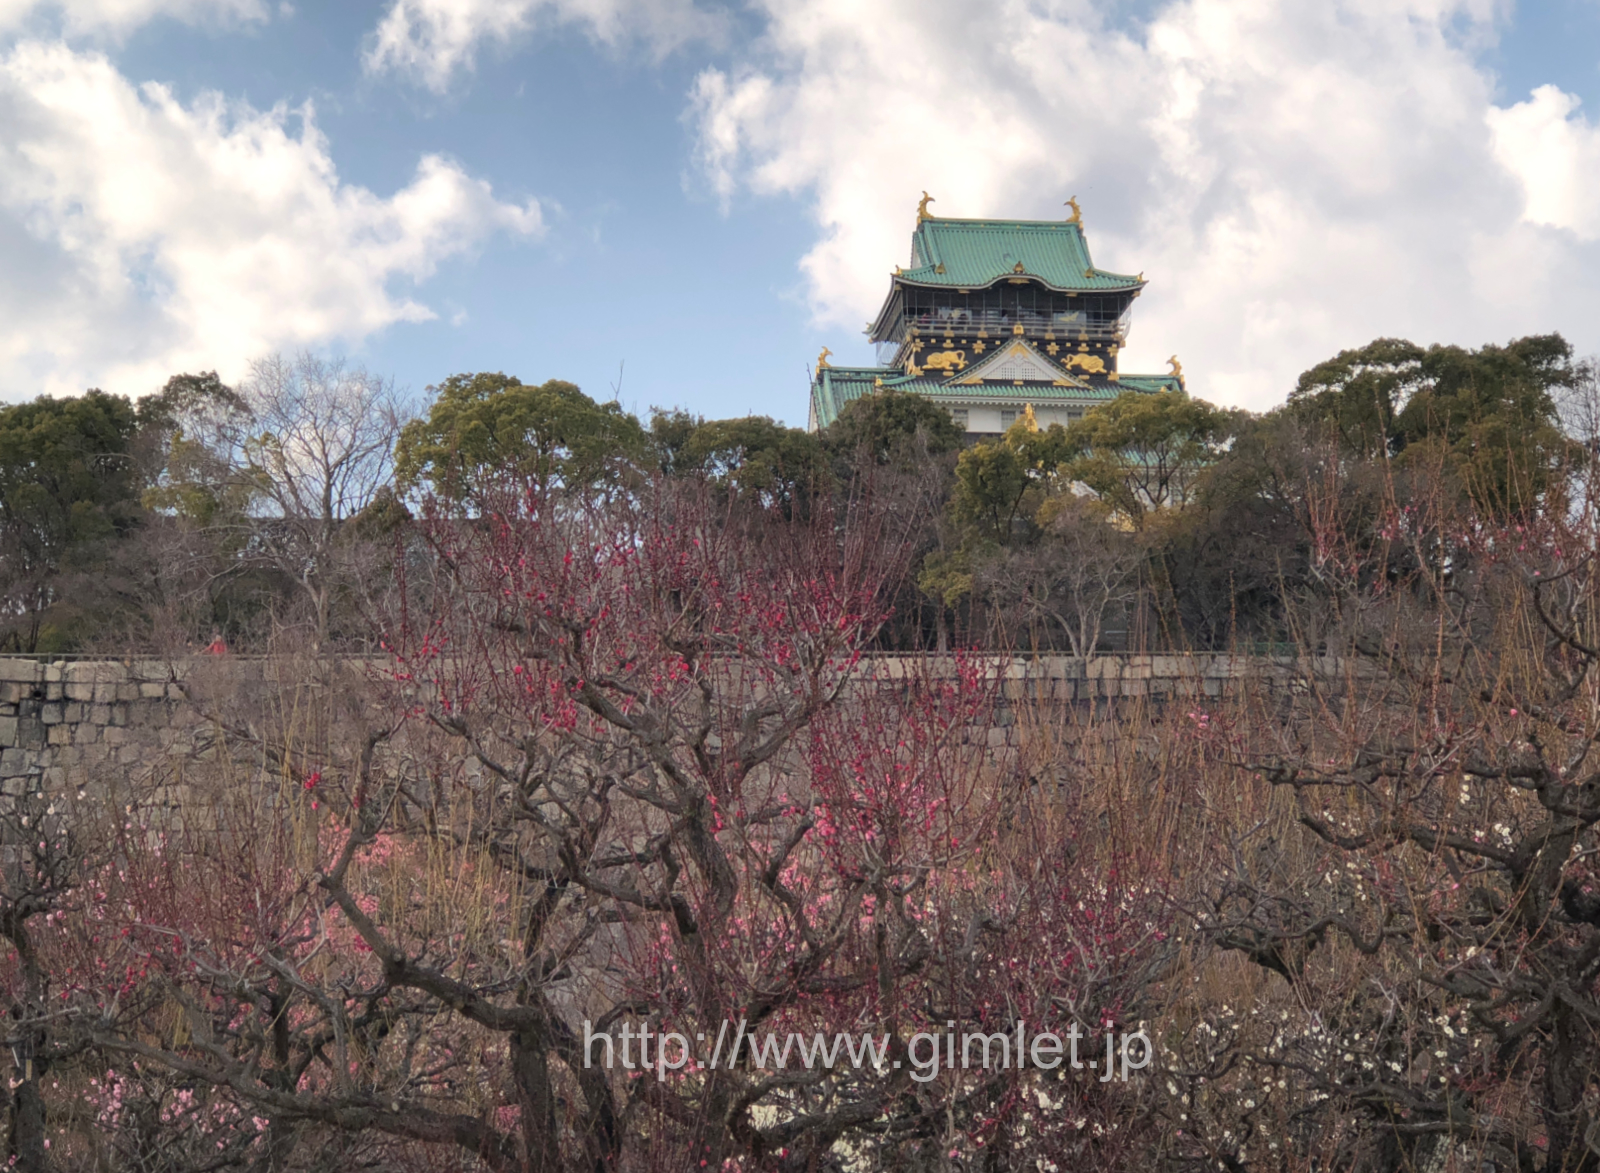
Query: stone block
{"points": [[119, 714], [1105, 668], [105, 693], [127, 692], [53, 713], [152, 692], [77, 690], [19, 669], [54, 691], [8, 731], [30, 732], [113, 735], [96, 672], [58, 735], [99, 714], [14, 761]]}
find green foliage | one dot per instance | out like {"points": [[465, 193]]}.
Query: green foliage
{"points": [[1358, 392], [486, 422], [1144, 454], [891, 426], [188, 474], [1488, 416], [753, 455], [1001, 483], [67, 483]]}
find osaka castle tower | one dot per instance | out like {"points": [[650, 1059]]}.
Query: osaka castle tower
{"points": [[993, 317]]}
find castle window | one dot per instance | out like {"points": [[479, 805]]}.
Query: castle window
{"points": [[1007, 418], [959, 414]]}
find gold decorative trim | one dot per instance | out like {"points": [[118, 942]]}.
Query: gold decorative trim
{"points": [[922, 208], [822, 359], [1177, 369]]}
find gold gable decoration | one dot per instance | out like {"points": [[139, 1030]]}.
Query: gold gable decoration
{"points": [[1016, 362]]}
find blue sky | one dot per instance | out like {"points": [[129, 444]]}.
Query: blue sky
{"points": [[699, 197]]}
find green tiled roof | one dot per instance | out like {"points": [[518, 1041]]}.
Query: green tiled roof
{"points": [[975, 253], [836, 386]]}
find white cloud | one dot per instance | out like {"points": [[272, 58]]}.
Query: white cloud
{"points": [[1556, 153], [431, 40], [154, 237], [119, 16], [1293, 178]]}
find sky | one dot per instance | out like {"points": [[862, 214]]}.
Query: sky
{"points": [[678, 203]]}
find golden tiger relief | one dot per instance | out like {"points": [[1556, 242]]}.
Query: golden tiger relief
{"points": [[945, 360]]}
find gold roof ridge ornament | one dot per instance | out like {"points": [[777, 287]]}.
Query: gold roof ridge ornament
{"points": [[922, 207], [1177, 369], [822, 359], [1028, 419], [1077, 212]]}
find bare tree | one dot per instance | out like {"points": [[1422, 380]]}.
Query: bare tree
{"points": [[316, 445], [1082, 568]]}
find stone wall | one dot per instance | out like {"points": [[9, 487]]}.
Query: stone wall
{"points": [[64, 722]]}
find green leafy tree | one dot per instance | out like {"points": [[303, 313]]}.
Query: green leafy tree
{"points": [[480, 424], [68, 486], [1001, 483], [754, 455], [892, 427], [1145, 454], [1489, 416], [188, 474], [1359, 392]]}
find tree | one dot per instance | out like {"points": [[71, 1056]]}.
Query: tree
{"points": [[1001, 484], [311, 441], [632, 773], [1082, 566], [68, 485], [892, 426], [1491, 412], [1145, 454], [1422, 887], [754, 457], [485, 424]]}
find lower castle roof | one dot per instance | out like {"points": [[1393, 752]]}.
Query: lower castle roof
{"points": [[833, 387]]}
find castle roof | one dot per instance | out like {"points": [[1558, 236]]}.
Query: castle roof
{"points": [[975, 253], [834, 387]]}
